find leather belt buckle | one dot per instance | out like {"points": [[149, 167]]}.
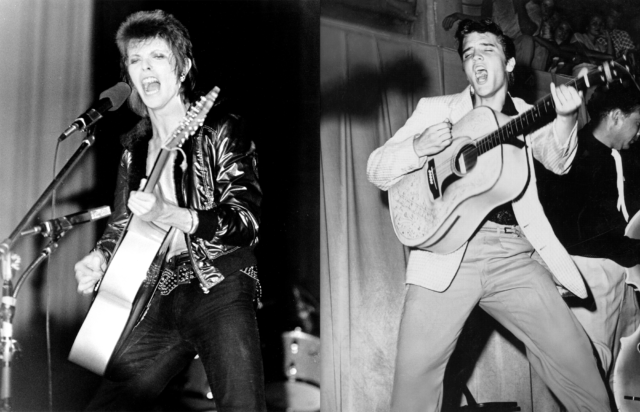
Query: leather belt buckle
{"points": [[177, 271], [510, 230]]}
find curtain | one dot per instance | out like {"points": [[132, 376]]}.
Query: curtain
{"points": [[370, 84], [45, 83]]}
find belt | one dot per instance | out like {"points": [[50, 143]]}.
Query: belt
{"points": [[502, 230], [176, 271]]}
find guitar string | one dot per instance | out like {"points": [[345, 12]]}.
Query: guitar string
{"points": [[185, 124], [543, 103], [502, 134]]}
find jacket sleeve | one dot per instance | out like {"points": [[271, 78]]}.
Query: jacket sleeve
{"points": [[555, 152], [120, 214], [397, 157], [235, 216]]}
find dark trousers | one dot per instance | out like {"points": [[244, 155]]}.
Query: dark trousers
{"points": [[219, 326]]}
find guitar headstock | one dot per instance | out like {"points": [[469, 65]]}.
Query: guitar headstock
{"points": [[192, 120], [621, 71]]}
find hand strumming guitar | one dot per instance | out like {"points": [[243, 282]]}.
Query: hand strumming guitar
{"points": [[433, 140], [152, 208], [89, 271]]}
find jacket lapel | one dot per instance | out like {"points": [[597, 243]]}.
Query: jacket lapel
{"points": [[461, 105]]}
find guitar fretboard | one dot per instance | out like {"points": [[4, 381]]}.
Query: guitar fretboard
{"points": [[543, 108]]}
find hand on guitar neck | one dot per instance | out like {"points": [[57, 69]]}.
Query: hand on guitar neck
{"points": [[567, 100]]}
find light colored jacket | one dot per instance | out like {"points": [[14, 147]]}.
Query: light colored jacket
{"points": [[391, 162]]}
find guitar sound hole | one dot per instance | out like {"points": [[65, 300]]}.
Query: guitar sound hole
{"points": [[465, 160]]}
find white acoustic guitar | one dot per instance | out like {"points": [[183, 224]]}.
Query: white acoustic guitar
{"points": [[121, 298], [439, 206]]}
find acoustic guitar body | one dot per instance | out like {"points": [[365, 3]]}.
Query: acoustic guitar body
{"points": [[110, 313], [440, 206]]}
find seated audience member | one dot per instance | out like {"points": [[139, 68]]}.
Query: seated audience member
{"points": [[620, 39], [546, 16], [593, 31], [588, 211], [564, 56], [587, 43]]}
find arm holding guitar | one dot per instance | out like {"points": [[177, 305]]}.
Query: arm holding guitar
{"points": [[234, 219], [90, 269], [398, 156], [120, 216], [433, 140], [554, 145], [567, 101], [152, 208]]}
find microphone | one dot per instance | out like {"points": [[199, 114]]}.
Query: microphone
{"points": [[110, 99], [65, 223]]}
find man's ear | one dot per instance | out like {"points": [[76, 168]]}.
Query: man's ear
{"points": [[511, 64], [616, 116]]}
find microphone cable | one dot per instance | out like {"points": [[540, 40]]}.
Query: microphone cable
{"points": [[47, 321]]}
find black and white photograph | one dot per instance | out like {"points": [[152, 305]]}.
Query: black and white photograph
{"points": [[320, 205]]}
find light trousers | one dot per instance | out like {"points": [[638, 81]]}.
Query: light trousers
{"points": [[613, 312], [498, 273]]}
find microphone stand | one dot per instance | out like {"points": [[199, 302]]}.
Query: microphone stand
{"points": [[9, 261], [9, 299]]}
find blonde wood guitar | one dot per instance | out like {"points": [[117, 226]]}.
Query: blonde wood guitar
{"points": [[121, 297], [440, 206]]}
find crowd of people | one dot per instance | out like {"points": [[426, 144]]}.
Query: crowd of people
{"points": [[549, 37]]}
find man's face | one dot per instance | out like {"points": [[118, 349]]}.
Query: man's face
{"points": [[626, 131], [152, 69], [485, 64]]}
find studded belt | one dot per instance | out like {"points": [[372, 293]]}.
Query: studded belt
{"points": [[178, 271], [175, 272]]}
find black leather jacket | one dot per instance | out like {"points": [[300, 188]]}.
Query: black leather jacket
{"points": [[220, 184]]}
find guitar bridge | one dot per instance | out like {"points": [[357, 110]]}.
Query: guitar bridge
{"points": [[432, 179]]}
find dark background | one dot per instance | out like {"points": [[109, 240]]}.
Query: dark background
{"points": [[265, 54]]}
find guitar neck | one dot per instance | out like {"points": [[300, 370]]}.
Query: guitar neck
{"points": [[156, 171], [542, 109]]}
